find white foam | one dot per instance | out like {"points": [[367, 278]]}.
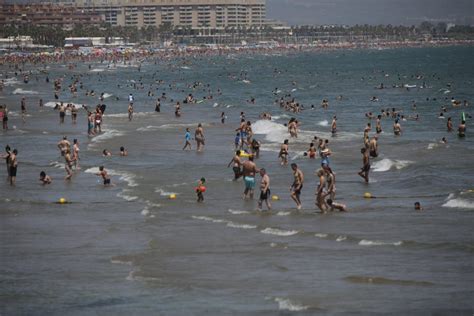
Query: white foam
{"points": [[123, 175], [432, 146], [145, 212], [323, 123], [237, 212], [319, 235], [387, 164], [21, 91], [163, 192], [459, 203], [127, 197], [286, 304], [108, 134], [283, 213], [209, 219], [341, 238], [274, 132], [135, 114], [115, 261], [97, 70], [365, 242], [246, 81], [279, 232], [107, 95], [148, 128], [242, 226], [10, 82], [57, 164]]}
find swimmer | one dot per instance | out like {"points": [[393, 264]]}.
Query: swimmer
{"points": [[297, 185], [255, 146], [103, 173], [187, 139], [311, 151], [334, 126], [123, 152], [106, 153], [44, 178], [237, 163], [264, 190], [338, 206], [449, 125], [418, 206], [462, 129], [364, 172]]}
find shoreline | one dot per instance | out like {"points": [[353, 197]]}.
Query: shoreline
{"points": [[83, 54]]}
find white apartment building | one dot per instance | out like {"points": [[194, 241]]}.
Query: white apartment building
{"points": [[196, 14]]}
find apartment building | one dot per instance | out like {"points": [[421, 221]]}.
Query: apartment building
{"points": [[52, 15], [196, 14]]}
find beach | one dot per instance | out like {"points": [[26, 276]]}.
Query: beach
{"points": [[130, 249]]}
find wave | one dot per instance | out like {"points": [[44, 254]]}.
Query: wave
{"points": [[107, 95], [237, 212], [242, 226], [279, 232], [52, 104], [287, 305], [323, 123], [274, 132], [283, 213], [10, 82], [127, 197], [108, 134], [387, 164], [21, 91], [320, 235], [123, 175], [459, 203], [163, 192], [97, 70], [365, 242], [382, 281], [341, 238], [135, 114], [208, 219]]}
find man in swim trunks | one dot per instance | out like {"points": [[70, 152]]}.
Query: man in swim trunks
{"points": [[249, 169], [264, 190], [64, 145], [364, 171], [378, 124], [297, 185], [320, 194], [103, 173], [373, 147], [237, 163]]}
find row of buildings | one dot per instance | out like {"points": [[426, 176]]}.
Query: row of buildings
{"points": [[194, 14]]}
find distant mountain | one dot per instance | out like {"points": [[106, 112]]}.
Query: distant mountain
{"points": [[350, 12]]}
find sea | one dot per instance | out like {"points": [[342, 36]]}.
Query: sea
{"points": [[130, 249]]}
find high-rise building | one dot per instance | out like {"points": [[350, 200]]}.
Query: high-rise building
{"points": [[193, 14]]}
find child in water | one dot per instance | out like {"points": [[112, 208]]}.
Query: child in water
{"points": [[200, 189]]}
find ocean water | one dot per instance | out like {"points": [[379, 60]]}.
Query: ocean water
{"points": [[129, 249]]}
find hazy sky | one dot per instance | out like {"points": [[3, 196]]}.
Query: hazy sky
{"points": [[395, 12]]}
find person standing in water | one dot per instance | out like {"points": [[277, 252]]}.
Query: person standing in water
{"points": [[13, 166], [297, 185], [462, 129], [334, 126], [130, 111], [237, 163], [199, 137], [364, 172], [187, 139], [249, 170], [75, 154], [264, 190], [105, 176], [397, 128]]}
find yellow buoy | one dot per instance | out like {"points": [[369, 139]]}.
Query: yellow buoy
{"points": [[172, 196], [367, 195], [275, 197], [62, 201]]}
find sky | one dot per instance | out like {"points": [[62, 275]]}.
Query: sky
{"points": [[351, 12]]}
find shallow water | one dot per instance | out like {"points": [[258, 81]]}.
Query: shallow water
{"points": [[130, 249]]}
